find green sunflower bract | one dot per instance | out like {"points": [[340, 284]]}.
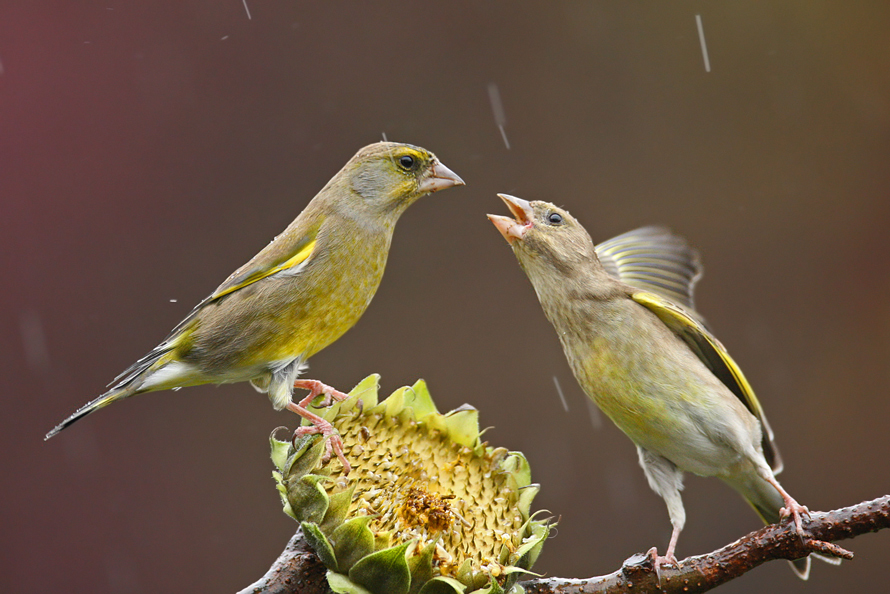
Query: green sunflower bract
{"points": [[428, 507]]}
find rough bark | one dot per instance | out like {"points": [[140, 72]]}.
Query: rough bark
{"points": [[298, 570]]}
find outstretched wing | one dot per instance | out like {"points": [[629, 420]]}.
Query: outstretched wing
{"points": [[715, 357], [653, 259]]}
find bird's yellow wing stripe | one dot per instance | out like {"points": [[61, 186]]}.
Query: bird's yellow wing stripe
{"points": [[655, 260], [716, 358], [252, 275]]}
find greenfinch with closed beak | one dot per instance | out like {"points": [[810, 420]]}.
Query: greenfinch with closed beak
{"points": [[624, 314], [297, 295]]}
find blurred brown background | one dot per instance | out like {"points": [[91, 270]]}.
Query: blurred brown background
{"points": [[148, 149]]}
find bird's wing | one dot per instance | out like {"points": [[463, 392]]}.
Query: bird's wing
{"points": [[715, 357], [287, 257], [271, 260], [653, 259]]}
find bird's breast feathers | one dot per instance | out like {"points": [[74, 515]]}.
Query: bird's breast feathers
{"points": [[285, 315], [662, 396]]}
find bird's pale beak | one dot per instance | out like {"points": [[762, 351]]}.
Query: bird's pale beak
{"points": [[440, 178], [513, 229]]}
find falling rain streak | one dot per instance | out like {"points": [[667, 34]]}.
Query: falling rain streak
{"points": [[704, 46], [562, 398], [247, 10], [500, 118], [595, 418]]}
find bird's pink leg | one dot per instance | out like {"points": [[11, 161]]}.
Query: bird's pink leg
{"points": [[792, 508], [669, 557], [319, 425], [315, 388]]}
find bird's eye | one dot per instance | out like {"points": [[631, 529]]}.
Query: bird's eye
{"points": [[554, 218], [407, 162]]}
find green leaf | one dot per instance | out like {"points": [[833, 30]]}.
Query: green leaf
{"points": [[352, 540], [493, 587], [443, 585], [421, 567], [320, 544], [279, 452], [366, 391], [526, 495], [282, 491], [338, 507], [302, 463], [341, 584], [516, 464], [504, 555], [395, 402], [465, 572], [382, 540], [384, 572], [308, 498], [329, 413], [418, 398], [528, 553], [463, 426], [520, 571]]}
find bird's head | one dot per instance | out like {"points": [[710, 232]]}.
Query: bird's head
{"points": [[547, 240], [387, 177]]}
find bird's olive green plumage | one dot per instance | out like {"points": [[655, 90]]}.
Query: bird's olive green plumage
{"points": [[625, 316], [298, 294]]}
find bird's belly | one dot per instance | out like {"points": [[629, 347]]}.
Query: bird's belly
{"points": [[302, 333], [661, 428], [233, 343], [675, 417]]}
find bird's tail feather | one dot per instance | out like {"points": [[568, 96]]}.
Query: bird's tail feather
{"points": [[131, 381], [767, 502], [100, 402]]}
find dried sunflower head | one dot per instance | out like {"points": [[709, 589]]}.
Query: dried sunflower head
{"points": [[428, 508]]}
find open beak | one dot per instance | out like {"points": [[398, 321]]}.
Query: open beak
{"points": [[515, 228], [440, 178]]}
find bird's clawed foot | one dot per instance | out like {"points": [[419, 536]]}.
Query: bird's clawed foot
{"points": [[658, 561], [796, 511], [792, 508], [315, 388], [333, 442]]}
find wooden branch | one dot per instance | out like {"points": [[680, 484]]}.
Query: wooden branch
{"points": [[298, 570], [704, 572]]}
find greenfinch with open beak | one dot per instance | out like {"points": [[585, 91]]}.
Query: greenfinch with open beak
{"points": [[624, 314], [297, 295]]}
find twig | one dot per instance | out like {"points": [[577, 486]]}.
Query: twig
{"points": [[704, 572], [298, 570]]}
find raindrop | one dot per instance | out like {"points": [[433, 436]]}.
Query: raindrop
{"points": [[497, 107], [704, 46], [596, 418], [562, 398]]}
